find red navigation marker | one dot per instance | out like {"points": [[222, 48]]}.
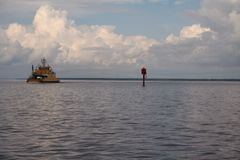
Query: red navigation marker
{"points": [[144, 73]]}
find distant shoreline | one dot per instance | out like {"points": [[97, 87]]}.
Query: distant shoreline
{"points": [[150, 79], [136, 79]]}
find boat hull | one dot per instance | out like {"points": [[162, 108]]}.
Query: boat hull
{"points": [[42, 81]]}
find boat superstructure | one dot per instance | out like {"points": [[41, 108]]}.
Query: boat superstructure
{"points": [[43, 73]]}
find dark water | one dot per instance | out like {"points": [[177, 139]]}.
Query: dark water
{"points": [[120, 120]]}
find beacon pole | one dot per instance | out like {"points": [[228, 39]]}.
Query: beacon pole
{"points": [[144, 73]]}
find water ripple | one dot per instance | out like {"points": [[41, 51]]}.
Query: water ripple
{"points": [[120, 120]]}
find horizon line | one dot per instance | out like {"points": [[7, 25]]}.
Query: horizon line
{"points": [[148, 79]]}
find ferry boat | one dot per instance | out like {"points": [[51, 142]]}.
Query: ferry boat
{"points": [[43, 73]]}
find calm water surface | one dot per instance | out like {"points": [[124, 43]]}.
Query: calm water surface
{"points": [[120, 120]]}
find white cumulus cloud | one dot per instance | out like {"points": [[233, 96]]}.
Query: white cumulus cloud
{"points": [[211, 45], [58, 39], [188, 32]]}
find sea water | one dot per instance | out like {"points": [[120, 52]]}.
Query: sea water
{"points": [[96, 120]]}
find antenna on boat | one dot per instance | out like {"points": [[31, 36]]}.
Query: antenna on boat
{"points": [[32, 68], [44, 61]]}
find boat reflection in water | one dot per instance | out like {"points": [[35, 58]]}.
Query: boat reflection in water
{"points": [[43, 74]]}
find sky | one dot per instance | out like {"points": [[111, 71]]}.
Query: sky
{"points": [[116, 38]]}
